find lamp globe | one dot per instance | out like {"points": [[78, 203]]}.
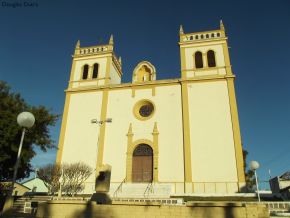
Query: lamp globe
{"points": [[25, 119], [254, 165]]}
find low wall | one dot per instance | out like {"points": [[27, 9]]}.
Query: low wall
{"points": [[81, 209]]}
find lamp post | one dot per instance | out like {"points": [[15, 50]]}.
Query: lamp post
{"points": [[254, 165], [25, 120], [35, 175], [59, 195], [100, 122]]}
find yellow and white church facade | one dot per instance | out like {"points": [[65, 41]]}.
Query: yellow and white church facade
{"points": [[182, 135]]}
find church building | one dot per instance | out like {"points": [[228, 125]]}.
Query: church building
{"points": [[181, 136]]}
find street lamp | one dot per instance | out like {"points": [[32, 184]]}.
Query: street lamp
{"points": [[254, 165], [100, 122], [25, 120]]}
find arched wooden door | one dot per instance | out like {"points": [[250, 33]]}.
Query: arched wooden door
{"points": [[142, 169]]}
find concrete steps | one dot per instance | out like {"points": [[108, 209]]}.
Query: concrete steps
{"points": [[17, 210], [18, 206], [26, 206]]}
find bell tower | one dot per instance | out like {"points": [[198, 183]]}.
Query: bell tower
{"points": [[204, 54], [206, 74], [95, 66]]}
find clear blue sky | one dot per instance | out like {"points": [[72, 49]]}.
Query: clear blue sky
{"points": [[36, 44]]}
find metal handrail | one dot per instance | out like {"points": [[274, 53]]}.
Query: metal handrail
{"points": [[119, 188], [148, 189]]}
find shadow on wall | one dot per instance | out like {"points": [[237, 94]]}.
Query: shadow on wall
{"points": [[228, 211], [245, 189], [2, 202], [198, 209], [96, 211], [74, 209]]}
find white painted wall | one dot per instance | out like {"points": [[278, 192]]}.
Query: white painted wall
{"points": [[169, 122], [169, 117], [115, 78], [81, 136], [212, 144]]}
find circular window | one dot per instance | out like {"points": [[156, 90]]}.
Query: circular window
{"points": [[143, 109], [146, 110]]}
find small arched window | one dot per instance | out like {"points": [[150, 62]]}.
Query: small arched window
{"points": [[196, 37], [85, 71], [95, 71], [211, 58], [198, 59]]}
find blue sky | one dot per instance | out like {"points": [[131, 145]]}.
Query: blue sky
{"points": [[36, 44]]}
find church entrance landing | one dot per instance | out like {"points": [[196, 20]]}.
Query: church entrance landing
{"points": [[142, 169]]}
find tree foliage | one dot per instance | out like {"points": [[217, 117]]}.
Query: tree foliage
{"points": [[5, 188], [50, 175], [11, 104], [72, 177], [249, 174]]}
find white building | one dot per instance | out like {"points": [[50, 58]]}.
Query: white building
{"points": [[181, 134], [35, 185]]}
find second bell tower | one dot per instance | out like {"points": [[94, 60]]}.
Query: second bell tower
{"points": [[204, 54], [95, 66]]}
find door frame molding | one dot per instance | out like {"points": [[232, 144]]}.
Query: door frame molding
{"points": [[129, 160]]}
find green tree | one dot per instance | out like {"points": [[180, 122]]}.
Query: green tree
{"points": [[11, 104], [249, 174]]}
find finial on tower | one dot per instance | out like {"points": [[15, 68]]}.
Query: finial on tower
{"points": [[111, 41], [120, 60], [78, 44], [222, 27], [181, 30]]}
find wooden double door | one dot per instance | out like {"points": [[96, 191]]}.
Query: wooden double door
{"points": [[142, 169]]}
